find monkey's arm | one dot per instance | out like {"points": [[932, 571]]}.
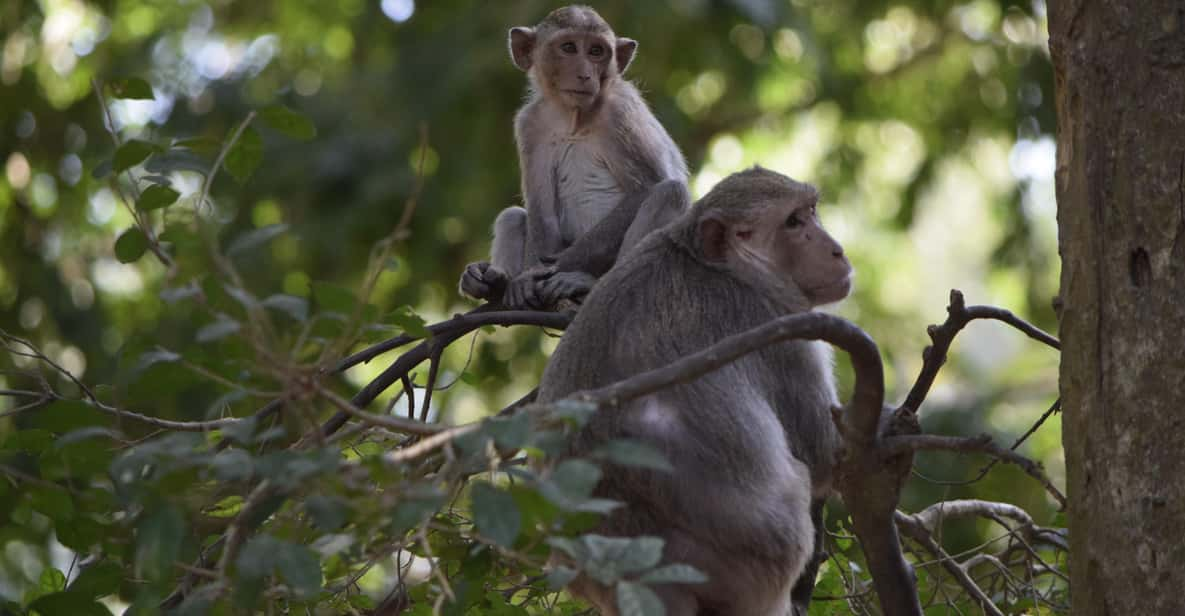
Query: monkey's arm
{"points": [[596, 251]]}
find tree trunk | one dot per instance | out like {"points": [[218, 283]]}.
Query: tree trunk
{"points": [[1120, 80]]}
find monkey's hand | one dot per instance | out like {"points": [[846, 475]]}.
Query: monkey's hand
{"points": [[522, 291], [483, 281], [565, 285]]}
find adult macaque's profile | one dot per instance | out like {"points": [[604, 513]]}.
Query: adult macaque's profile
{"points": [[752, 443], [598, 170]]}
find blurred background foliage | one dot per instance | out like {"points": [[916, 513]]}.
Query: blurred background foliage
{"points": [[925, 123]]}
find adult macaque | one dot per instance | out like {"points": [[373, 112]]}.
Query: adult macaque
{"points": [[598, 170], [752, 443]]}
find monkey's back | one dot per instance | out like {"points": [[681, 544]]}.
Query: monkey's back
{"points": [[721, 432]]}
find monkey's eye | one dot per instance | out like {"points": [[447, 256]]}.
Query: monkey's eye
{"points": [[568, 47], [596, 51], [794, 221]]}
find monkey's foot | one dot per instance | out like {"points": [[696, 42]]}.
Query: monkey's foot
{"points": [[483, 281], [565, 286]]}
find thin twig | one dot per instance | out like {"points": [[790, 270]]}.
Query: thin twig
{"points": [[958, 316], [917, 531], [983, 443]]}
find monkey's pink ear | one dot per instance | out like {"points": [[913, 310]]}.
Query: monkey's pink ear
{"points": [[522, 43], [713, 238], [625, 53]]}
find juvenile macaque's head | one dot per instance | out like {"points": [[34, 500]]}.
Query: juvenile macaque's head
{"points": [[760, 220], [572, 56]]}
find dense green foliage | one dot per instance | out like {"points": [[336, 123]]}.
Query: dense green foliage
{"points": [[192, 296]]}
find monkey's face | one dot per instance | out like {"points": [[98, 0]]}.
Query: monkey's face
{"points": [[788, 240], [575, 67]]}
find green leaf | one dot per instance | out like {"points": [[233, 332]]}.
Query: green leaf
{"points": [[155, 197], [65, 416], [298, 565], [677, 573], [495, 514], [158, 541], [51, 581], [81, 533], [245, 156], [102, 170], [509, 432], [201, 145], [332, 298], [406, 319], [632, 452], [638, 600], [576, 478], [301, 569], [217, 330], [295, 307], [131, 88], [289, 122], [254, 238], [232, 464], [131, 154], [329, 513], [131, 245], [98, 580], [72, 603]]}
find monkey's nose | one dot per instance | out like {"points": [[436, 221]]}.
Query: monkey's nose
{"points": [[837, 252], [585, 77]]}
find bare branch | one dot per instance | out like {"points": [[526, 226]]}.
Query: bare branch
{"points": [[916, 530], [959, 315], [390, 422], [443, 334], [982, 444]]}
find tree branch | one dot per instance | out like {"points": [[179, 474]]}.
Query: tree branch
{"points": [[983, 443], [916, 530], [958, 316]]}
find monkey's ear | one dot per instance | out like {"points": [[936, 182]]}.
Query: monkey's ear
{"points": [[625, 53], [522, 43], [713, 238]]}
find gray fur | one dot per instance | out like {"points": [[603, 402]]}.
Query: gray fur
{"points": [[619, 153], [751, 442]]}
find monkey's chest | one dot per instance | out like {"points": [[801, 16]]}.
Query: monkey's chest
{"points": [[586, 189]]}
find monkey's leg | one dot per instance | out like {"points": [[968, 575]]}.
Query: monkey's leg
{"points": [[804, 587], [487, 280], [579, 266], [664, 203]]}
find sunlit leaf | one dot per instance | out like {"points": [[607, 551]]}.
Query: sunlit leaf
{"points": [[132, 88], [155, 197], [289, 122], [245, 156], [674, 574], [638, 600], [559, 577], [131, 245]]}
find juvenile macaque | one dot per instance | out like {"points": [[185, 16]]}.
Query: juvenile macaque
{"points": [[598, 170], [752, 443]]}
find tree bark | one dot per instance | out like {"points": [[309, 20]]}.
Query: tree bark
{"points": [[1120, 90]]}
